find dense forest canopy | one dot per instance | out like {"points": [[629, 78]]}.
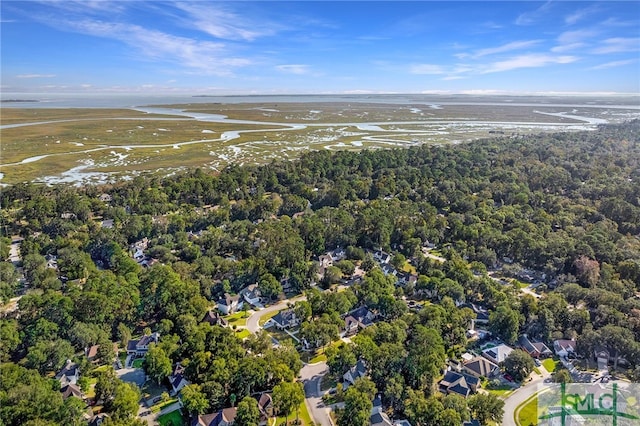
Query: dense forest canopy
{"points": [[564, 206]]}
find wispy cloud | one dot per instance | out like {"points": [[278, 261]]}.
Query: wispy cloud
{"points": [[35, 76], [614, 64], [299, 69], [576, 36], [575, 39], [217, 21], [204, 56], [617, 45], [426, 69], [528, 61], [514, 45], [533, 16], [580, 14]]}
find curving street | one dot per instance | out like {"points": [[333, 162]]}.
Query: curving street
{"points": [[311, 376], [520, 395]]}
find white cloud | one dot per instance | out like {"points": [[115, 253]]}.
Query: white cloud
{"points": [[567, 47], [453, 77], [576, 36], [426, 69], [298, 69], [614, 64], [514, 45], [580, 14], [528, 18], [528, 61], [618, 44], [35, 75], [213, 19], [204, 56]]}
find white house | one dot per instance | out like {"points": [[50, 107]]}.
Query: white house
{"points": [[230, 304]]}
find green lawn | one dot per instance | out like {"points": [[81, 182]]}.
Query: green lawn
{"points": [[158, 407], [268, 316], [138, 363], [174, 418], [243, 334], [550, 364], [528, 414], [502, 392], [303, 415], [239, 319], [537, 371]]}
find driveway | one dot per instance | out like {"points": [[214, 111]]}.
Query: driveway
{"points": [[253, 321], [132, 375], [521, 395], [312, 375]]}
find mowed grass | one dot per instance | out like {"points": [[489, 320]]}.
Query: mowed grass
{"points": [[528, 414], [550, 364], [174, 418], [239, 319], [303, 414]]}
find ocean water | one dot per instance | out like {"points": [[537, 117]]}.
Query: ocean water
{"points": [[101, 100]]}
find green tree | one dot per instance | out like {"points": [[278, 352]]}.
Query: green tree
{"points": [[269, 286], [288, 396], [248, 413], [505, 323], [193, 399], [357, 408], [124, 404], [518, 365], [157, 364], [562, 376], [486, 407], [9, 338]]}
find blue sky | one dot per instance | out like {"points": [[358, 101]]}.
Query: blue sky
{"points": [[197, 47]]}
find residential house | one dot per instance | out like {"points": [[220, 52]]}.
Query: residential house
{"points": [[224, 417], [98, 419], [265, 405], [481, 367], [69, 374], [139, 347], [458, 383], [380, 419], [357, 371], [177, 379], [284, 319], [71, 390], [92, 352], [357, 319], [497, 354], [378, 416], [564, 347], [381, 257], [535, 349], [214, 318], [482, 314], [230, 304], [251, 294], [388, 269], [472, 422]]}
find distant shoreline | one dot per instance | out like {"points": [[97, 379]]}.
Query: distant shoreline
{"points": [[18, 100]]}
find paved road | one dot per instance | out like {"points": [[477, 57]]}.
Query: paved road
{"points": [[520, 395], [312, 375], [254, 319]]}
